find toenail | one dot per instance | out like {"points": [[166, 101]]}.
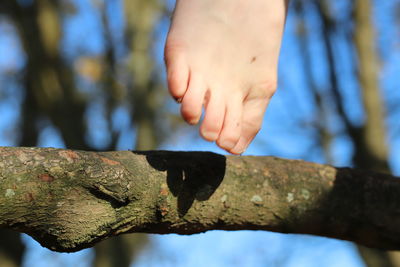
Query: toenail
{"points": [[210, 136], [238, 152], [227, 144], [193, 121]]}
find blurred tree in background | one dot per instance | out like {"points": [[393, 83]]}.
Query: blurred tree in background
{"points": [[97, 84]]}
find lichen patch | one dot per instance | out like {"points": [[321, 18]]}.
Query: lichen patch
{"points": [[224, 198], [290, 197], [9, 193], [305, 194], [256, 199]]}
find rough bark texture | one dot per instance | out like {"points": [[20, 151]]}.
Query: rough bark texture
{"points": [[68, 200]]}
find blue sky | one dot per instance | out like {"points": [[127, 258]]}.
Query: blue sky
{"points": [[285, 133]]}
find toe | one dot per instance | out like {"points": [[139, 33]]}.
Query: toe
{"points": [[177, 72], [231, 129], [214, 116], [253, 114], [193, 100]]}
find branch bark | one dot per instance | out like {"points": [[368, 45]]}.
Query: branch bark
{"points": [[68, 200]]}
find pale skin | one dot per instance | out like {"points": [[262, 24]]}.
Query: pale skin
{"points": [[222, 55]]}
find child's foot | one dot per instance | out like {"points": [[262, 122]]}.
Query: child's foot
{"points": [[223, 54]]}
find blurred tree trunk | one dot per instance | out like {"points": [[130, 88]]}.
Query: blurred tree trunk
{"points": [[370, 139], [324, 137], [119, 251], [144, 88], [373, 132], [49, 81], [374, 153], [11, 248]]}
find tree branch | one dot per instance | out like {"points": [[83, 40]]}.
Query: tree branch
{"points": [[68, 200]]}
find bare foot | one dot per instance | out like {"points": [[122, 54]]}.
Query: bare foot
{"points": [[223, 54]]}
